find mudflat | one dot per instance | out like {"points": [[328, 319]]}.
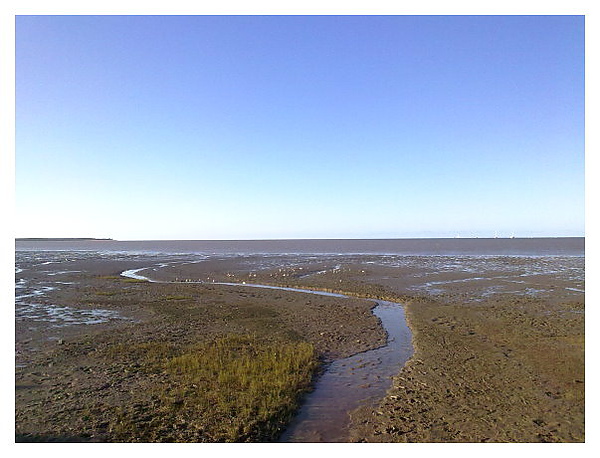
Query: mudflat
{"points": [[499, 345], [508, 370]]}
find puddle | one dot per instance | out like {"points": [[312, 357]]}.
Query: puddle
{"points": [[31, 304], [59, 316]]}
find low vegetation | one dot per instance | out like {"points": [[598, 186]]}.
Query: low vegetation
{"points": [[195, 363], [233, 389]]}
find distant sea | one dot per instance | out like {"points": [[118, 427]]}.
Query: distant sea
{"points": [[560, 246]]}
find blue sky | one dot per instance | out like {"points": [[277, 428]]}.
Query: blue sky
{"points": [[245, 127]]}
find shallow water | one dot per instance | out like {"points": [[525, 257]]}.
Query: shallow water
{"points": [[351, 382], [33, 285], [566, 246]]}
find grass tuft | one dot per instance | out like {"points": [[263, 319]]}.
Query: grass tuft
{"points": [[236, 388]]}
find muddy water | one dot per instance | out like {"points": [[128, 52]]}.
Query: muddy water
{"points": [[346, 383], [351, 382]]}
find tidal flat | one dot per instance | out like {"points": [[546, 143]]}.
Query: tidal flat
{"points": [[498, 346]]}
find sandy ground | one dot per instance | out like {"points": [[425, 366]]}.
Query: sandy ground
{"points": [[500, 371], [499, 341]]}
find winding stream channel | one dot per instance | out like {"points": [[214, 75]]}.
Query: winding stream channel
{"points": [[346, 383]]}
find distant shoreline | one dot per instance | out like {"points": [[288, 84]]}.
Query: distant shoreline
{"points": [[58, 239], [77, 239], [574, 246]]}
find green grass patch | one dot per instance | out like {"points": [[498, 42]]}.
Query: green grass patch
{"points": [[232, 389]]}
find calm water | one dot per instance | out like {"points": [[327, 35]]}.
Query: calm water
{"points": [[351, 382], [562, 246]]}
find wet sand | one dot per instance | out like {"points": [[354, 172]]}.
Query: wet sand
{"points": [[510, 370], [499, 341]]}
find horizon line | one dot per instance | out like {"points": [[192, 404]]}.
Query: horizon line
{"points": [[106, 239]]}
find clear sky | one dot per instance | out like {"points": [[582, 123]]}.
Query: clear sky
{"points": [[199, 127]]}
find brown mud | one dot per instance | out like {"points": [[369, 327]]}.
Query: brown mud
{"points": [[73, 382], [499, 342]]}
